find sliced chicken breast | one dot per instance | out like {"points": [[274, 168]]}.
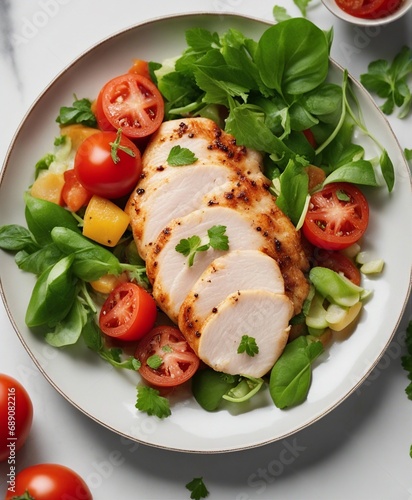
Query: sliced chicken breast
{"points": [[177, 195], [234, 271], [260, 314], [204, 139], [168, 270]]}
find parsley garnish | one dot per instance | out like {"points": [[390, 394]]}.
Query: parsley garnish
{"points": [[154, 361], [248, 345], [150, 401], [79, 112], [178, 157], [389, 81], [189, 247], [197, 488]]}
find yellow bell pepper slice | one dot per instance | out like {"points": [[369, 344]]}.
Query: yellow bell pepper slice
{"points": [[104, 222]]}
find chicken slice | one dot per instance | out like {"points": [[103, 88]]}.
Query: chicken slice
{"points": [[168, 270], [260, 314], [176, 195], [236, 270], [204, 139]]}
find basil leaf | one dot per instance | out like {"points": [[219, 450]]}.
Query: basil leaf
{"points": [[387, 170], [42, 216], [288, 65], [294, 184], [14, 237], [53, 295], [91, 261], [40, 260], [209, 386], [291, 375], [68, 330], [356, 172]]}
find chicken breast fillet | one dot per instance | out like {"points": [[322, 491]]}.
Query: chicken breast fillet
{"points": [[257, 285]]}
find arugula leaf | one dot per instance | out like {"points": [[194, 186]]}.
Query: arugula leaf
{"points": [[294, 186], [248, 345], [389, 81], [79, 112], [189, 247], [150, 401], [179, 157], [197, 488]]}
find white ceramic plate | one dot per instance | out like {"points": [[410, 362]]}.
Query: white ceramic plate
{"points": [[108, 395]]}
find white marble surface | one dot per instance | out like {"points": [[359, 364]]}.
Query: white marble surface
{"points": [[359, 451]]}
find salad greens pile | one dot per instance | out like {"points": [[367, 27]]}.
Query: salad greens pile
{"points": [[267, 94], [271, 91]]}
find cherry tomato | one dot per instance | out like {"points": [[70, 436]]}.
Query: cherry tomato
{"points": [[133, 103], [337, 217], [74, 195], [178, 362], [16, 416], [99, 173], [128, 313], [102, 121], [50, 482], [338, 263], [369, 8]]}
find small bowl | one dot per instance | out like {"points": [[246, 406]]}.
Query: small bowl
{"points": [[333, 7]]}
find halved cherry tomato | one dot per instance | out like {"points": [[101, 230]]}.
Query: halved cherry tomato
{"points": [[16, 416], [49, 482], [178, 362], [337, 216], [74, 194], [369, 8], [102, 121], [98, 173], [128, 313], [133, 103], [338, 263]]}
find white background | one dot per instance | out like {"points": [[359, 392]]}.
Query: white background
{"points": [[359, 451]]}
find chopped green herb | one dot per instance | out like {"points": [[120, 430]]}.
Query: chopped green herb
{"points": [[189, 247], [408, 154], [150, 401], [154, 361], [179, 157], [389, 81], [60, 140], [79, 112], [197, 488], [248, 345], [43, 164]]}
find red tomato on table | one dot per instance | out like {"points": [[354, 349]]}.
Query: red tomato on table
{"points": [[131, 102], [370, 9], [16, 416], [102, 174], [50, 482], [128, 313], [337, 216], [178, 363]]}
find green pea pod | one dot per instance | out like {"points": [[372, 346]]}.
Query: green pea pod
{"points": [[335, 287], [246, 388], [53, 294], [42, 216], [91, 261]]}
